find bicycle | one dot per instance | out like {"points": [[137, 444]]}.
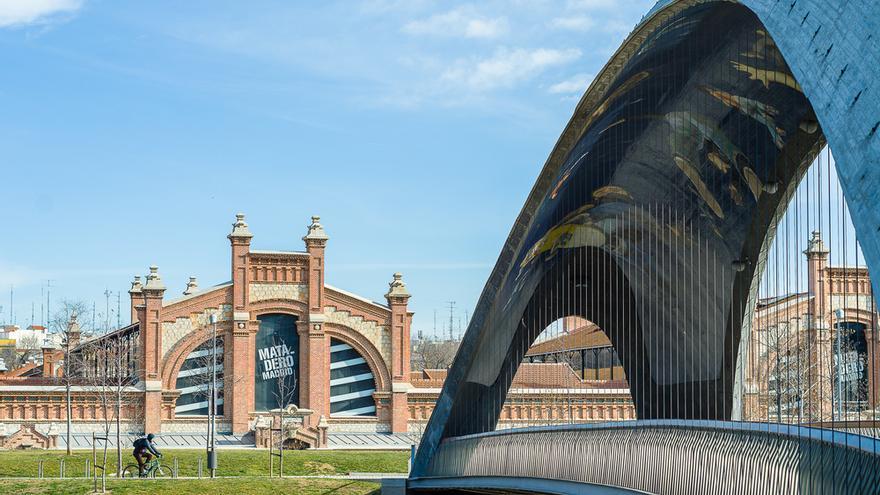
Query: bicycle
{"points": [[153, 469]]}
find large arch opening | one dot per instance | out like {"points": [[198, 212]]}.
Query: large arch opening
{"points": [[202, 367], [276, 376], [652, 218], [352, 383]]}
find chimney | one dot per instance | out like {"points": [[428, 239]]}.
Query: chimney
{"points": [[48, 358], [73, 332]]}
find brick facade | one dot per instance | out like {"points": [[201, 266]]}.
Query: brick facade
{"points": [[169, 330]]}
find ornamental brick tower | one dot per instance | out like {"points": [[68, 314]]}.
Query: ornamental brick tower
{"points": [[239, 341], [819, 329], [397, 297], [151, 347], [314, 344]]}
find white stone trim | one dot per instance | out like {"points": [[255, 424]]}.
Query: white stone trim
{"points": [[355, 296], [352, 379], [354, 395], [269, 251], [527, 391], [193, 406], [347, 363], [194, 294], [398, 387], [354, 412], [199, 371]]}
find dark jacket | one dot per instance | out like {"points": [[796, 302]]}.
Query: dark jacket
{"points": [[143, 444]]}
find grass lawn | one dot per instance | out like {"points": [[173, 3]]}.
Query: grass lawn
{"points": [[23, 463], [238, 486]]}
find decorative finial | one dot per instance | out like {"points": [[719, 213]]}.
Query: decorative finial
{"points": [[397, 288], [240, 228], [316, 231], [815, 247], [136, 285], [191, 287], [154, 281]]}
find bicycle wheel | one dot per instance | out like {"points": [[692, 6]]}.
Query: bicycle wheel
{"points": [[160, 472], [130, 471]]}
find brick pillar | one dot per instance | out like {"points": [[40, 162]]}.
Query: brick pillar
{"points": [[397, 297], [48, 360], [817, 283], [314, 343], [136, 296], [238, 383], [151, 348], [819, 329], [238, 399]]}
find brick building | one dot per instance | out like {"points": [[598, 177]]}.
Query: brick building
{"points": [[795, 371], [284, 336], [343, 359]]}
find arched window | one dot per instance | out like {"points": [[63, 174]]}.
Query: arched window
{"points": [[351, 382], [194, 381]]}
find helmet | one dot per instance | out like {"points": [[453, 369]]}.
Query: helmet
{"points": [[151, 436]]}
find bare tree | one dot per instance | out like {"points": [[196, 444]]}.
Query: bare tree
{"points": [[790, 378], [110, 368], [285, 394], [433, 354], [68, 322]]}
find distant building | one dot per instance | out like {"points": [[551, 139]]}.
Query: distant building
{"points": [[794, 370]]}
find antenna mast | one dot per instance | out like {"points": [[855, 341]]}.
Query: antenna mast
{"points": [[451, 318]]}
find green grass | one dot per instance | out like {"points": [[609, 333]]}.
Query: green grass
{"points": [[236, 486], [23, 463]]}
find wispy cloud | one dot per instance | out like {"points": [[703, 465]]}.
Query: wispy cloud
{"points": [[576, 23], [506, 67], [24, 12], [574, 85], [460, 22]]}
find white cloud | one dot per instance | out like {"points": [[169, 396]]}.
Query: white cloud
{"points": [[505, 67], [576, 23], [576, 84], [23, 12], [461, 22]]}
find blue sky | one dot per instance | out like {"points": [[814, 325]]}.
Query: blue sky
{"points": [[132, 132]]}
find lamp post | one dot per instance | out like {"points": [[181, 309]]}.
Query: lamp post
{"points": [[839, 315], [212, 452]]}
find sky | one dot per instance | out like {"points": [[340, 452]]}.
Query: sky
{"points": [[132, 132]]}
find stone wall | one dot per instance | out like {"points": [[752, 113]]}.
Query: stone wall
{"points": [[378, 335], [262, 291], [174, 332]]}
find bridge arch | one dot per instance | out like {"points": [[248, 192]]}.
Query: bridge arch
{"points": [[682, 153]]}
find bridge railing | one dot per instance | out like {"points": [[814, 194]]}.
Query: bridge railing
{"points": [[664, 456]]}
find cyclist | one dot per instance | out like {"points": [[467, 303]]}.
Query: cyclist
{"points": [[144, 450]]}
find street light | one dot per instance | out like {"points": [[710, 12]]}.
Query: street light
{"points": [[212, 452], [839, 314]]}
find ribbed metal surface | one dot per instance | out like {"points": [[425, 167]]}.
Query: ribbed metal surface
{"points": [[670, 457]]}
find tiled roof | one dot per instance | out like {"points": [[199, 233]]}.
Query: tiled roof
{"points": [[529, 375], [585, 337]]}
